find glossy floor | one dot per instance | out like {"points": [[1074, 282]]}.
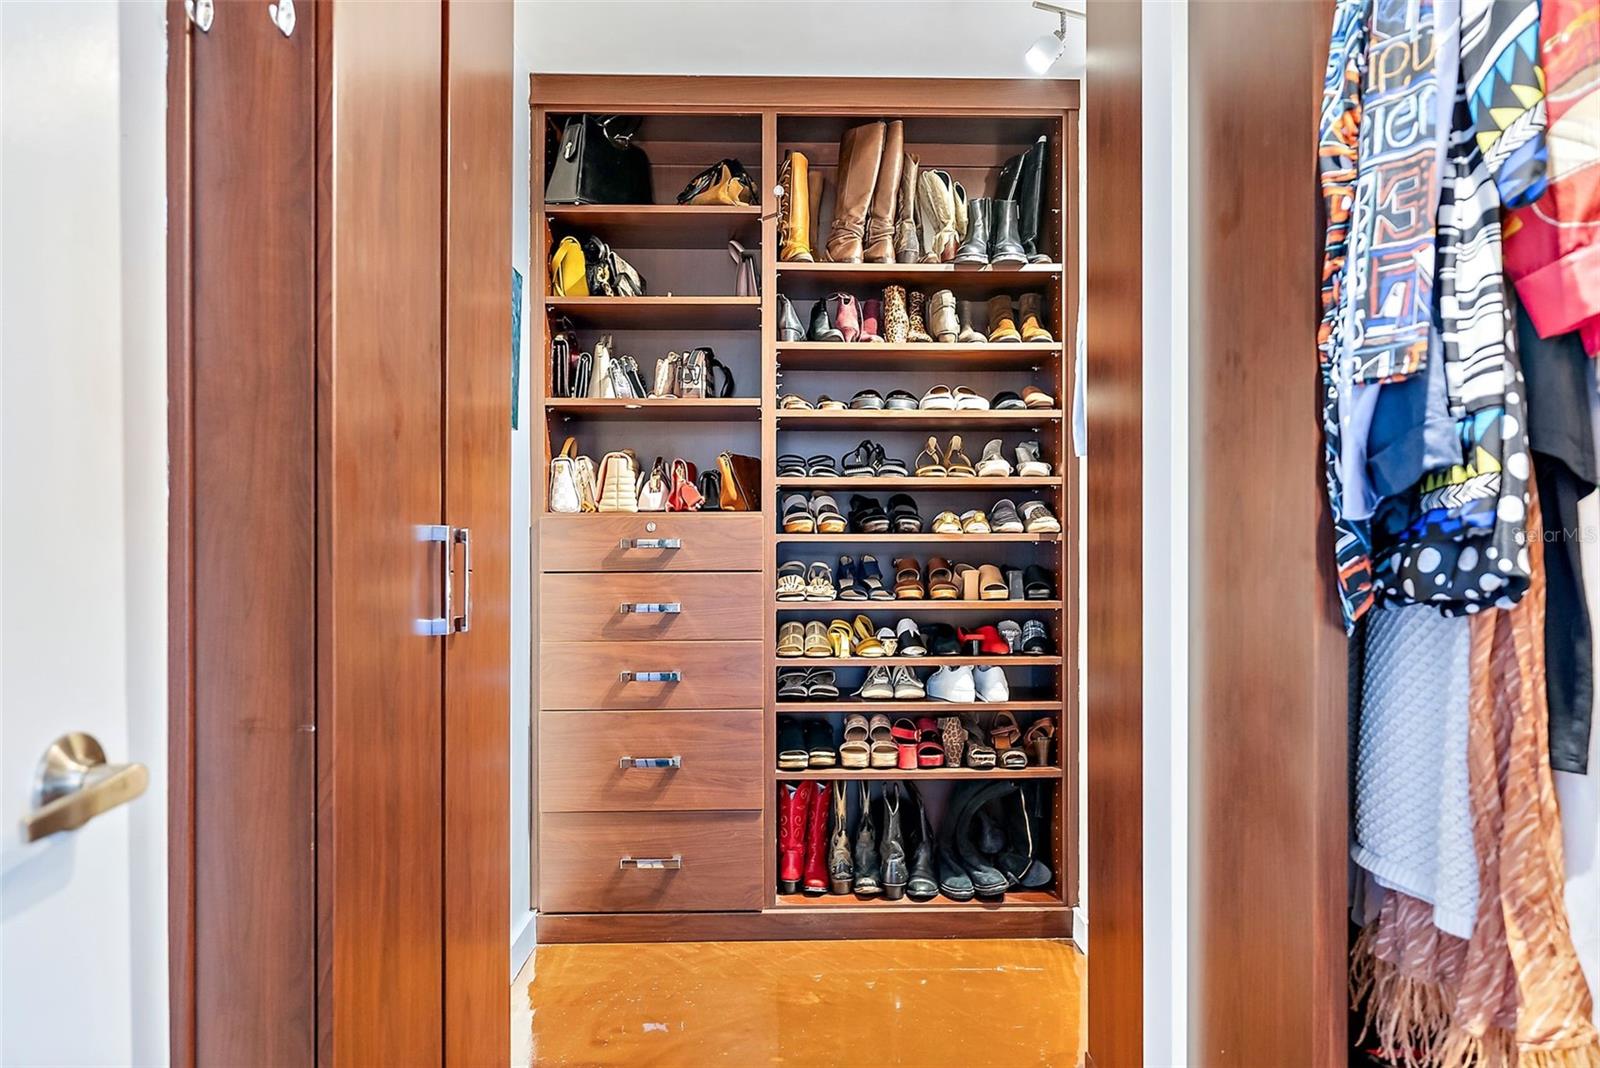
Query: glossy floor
{"points": [[883, 1004]]}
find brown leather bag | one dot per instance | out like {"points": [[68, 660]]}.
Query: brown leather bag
{"points": [[741, 482]]}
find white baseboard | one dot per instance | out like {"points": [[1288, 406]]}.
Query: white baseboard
{"points": [[524, 937], [1080, 929]]}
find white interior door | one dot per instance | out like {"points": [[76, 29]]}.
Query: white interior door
{"points": [[83, 947]]}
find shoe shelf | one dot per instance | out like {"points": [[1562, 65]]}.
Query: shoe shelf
{"points": [[887, 774], [659, 313], [917, 604], [837, 903], [1008, 660], [717, 409], [995, 277], [913, 356], [630, 226], [943, 708], [883, 419], [913, 539], [959, 483]]}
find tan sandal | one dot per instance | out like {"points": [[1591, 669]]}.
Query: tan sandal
{"points": [[956, 463], [941, 580], [1038, 740], [817, 645], [908, 580], [792, 639], [991, 584], [867, 644], [840, 634], [855, 752], [1004, 736], [946, 523], [885, 754], [974, 522], [928, 463], [967, 576]]}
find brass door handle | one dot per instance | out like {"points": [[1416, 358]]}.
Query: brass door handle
{"points": [[74, 784]]}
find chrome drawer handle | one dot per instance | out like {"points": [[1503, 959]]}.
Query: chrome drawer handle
{"points": [[672, 863], [650, 543], [646, 608], [652, 676], [650, 762]]}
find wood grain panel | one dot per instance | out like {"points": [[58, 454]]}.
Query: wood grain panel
{"points": [[380, 708], [713, 542], [585, 675], [1114, 534], [477, 485], [657, 94], [1268, 726], [248, 473], [720, 852], [713, 606], [724, 761], [921, 921]]}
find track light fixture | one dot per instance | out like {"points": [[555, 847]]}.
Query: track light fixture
{"points": [[1047, 49]]}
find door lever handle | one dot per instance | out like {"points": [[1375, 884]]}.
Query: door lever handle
{"points": [[74, 784]]}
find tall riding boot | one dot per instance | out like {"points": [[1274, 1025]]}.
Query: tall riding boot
{"points": [[1031, 203], [793, 808], [816, 181], [892, 845], [866, 876], [880, 221], [936, 211], [975, 249], [958, 195], [816, 863], [860, 153], [1004, 245], [907, 249], [841, 868], [922, 883], [794, 209]]}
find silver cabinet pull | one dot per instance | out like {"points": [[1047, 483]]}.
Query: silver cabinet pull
{"points": [[463, 537], [74, 784], [650, 543], [646, 608], [433, 626], [651, 676], [650, 762], [672, 863]]}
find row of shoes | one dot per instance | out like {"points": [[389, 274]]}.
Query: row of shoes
{"points": [[993, 838], [870, 460], [909, 744], [916, 317], [938, 398], [887, 209], [862, 580], [819, 514], [844, 638]]}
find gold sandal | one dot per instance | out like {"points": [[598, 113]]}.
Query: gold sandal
{"points": [[956, 463], [817, 645], [867, 644], [840, 635], [932, 466], [791, 639]]}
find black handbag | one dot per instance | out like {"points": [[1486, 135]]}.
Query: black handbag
{"points": [[608, 274], [598, 163], [710, 487]]}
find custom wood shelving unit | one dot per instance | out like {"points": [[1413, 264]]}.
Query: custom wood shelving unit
{"points": [[717, 813]]}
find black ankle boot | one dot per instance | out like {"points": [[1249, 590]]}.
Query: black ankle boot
{"points": [[892, 846], [1031, 202], [1005, 247], [866, 859], [975, 249], [821, 328]]}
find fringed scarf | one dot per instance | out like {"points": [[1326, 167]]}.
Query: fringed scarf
{"points": [[1512, 996]]}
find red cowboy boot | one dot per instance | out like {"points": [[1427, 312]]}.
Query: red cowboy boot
{"points": [[816, 869], [794, 806]]}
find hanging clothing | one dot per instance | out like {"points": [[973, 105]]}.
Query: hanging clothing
{"points": [[1505, 94]]}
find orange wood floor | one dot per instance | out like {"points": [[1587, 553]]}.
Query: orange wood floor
{"points": [[817, 1004]]}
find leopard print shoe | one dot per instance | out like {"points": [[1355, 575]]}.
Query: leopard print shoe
{"points": [[896, 324], [918, 330], [954, 737]]}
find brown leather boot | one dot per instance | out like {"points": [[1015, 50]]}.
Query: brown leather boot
{"points": [[1032, 311], [860, 152], [794, 209], [1002, 320], [907, 248], [881, 219], [816, 181]]}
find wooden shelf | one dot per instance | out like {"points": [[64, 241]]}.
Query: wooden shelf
{"points": [[923, 604], [801, 418], [972, 539], [628, 226], [942, 708], [1019, 278], [885, 774], [720, 409], [873, 482], [831, 903], [913, 356], [659, 313], [1008, 660]]}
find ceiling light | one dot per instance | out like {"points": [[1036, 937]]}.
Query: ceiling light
{"points": [[1047, 49]]}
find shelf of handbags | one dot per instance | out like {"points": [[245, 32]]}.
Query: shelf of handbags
{"points": [[619, 482], [606, 381], [898, 845]]}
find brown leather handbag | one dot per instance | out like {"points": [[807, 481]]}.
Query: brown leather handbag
{"points": [[741, 482], [724, 182]]}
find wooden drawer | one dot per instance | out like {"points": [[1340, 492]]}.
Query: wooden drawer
{"points": [[588, 675], [716, 542], [710, 605], [721, 756], [580, 855]]}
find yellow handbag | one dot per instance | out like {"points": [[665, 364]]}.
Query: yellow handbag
{"points": [[569, 274], [724, 182]]}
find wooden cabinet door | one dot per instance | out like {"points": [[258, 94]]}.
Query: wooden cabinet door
{"points": [[380, 364]]}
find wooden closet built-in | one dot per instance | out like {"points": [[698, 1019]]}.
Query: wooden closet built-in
{"points": [[716, 814]]}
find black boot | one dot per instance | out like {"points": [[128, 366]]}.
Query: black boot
{"points": [[1036, 824], [892, 845], [919, 843], [1032, 203], [987, 880], [789, 328], [841, 868], [866, 860], [1005, 248], [975, 249], [821, 328]]}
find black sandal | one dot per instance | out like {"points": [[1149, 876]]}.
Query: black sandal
{"points": [[872, 575], [867, 515], [903, 515], [791, 466], [821, 466], [869, 400], [887, 467], [821, 685], [859, 461]]}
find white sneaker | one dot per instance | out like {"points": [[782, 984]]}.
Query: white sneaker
{"points": [[952, 684], [990, 683]]}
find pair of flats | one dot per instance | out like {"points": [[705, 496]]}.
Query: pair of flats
{"points": [[993, 463]]}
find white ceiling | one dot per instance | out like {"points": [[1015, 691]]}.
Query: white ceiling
{"points": [[889, 38]]}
